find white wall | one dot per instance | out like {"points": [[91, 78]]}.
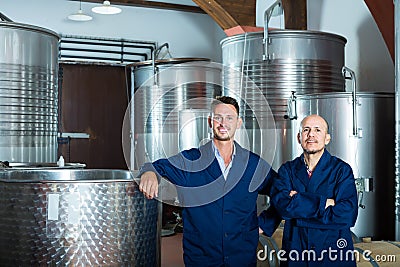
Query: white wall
{"points": [[188, 34], [365, 52]]}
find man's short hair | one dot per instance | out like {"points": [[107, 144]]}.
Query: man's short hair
{"points": [[225, 100]]}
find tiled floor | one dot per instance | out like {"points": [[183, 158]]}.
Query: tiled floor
{"points": [[171, 251]]}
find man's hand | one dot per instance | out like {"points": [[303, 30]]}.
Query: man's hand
{"points": [[260, 231], [292, 193], [329, 202], [149, 185]]}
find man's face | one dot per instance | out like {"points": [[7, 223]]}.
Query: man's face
{"points": [[313, 136], [224, 122]]}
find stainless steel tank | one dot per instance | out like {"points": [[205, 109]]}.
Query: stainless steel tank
{"points": [[28, 93], [366, 143], [297, 61], [76, 218], [165, 90]]}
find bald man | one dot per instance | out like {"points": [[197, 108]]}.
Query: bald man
{"points": [[316, 195]]}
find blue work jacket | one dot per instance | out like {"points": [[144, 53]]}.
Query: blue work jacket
{"points": [[220, 224], [309, 227]]}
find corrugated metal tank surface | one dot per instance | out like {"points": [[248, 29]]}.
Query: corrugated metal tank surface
{"points": [[165, 91], [297, 61], [28, 93], [64, 217]]}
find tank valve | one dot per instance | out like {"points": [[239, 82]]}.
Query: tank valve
{"points": [[363, 185], [291, 108]]}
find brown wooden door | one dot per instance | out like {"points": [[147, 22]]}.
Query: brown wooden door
{"points": [[93, 100]]}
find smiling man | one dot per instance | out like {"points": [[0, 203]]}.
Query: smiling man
{"points": [[217, 184], [316, 195]]}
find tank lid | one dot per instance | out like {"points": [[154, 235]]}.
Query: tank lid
{"points": [[167, 61], [66, 175], [16, 25], [284, 34], [39, 165]]}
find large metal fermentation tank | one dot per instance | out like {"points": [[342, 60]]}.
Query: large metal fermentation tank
{"points": [[366, 143], [297, 61], [169, 95], [76, 217], [28, 93]]}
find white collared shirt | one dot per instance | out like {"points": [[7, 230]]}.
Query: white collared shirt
{"points": [[221, 162]]}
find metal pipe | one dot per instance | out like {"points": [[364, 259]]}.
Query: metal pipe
{"points": [[90, 38], [154, 57], [397, 118], [353, 96], [85, 45], [158, 50], [112, 43], [4, 18], [102, 51], [99, 58], [269, 12]]}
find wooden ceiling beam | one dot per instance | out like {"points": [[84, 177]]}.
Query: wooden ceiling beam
{"points": [[295, 14], [383, 13], [230, 13]]}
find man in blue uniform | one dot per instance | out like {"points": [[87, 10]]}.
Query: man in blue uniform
{"points": [[316, 195], [217, 184]]}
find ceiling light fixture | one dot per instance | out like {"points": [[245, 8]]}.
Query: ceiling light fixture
{"points": [[106, 9], [79, 16]]}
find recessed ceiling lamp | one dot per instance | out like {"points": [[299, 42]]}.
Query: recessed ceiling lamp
{"points": [[106, 9], [79, 16]]}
